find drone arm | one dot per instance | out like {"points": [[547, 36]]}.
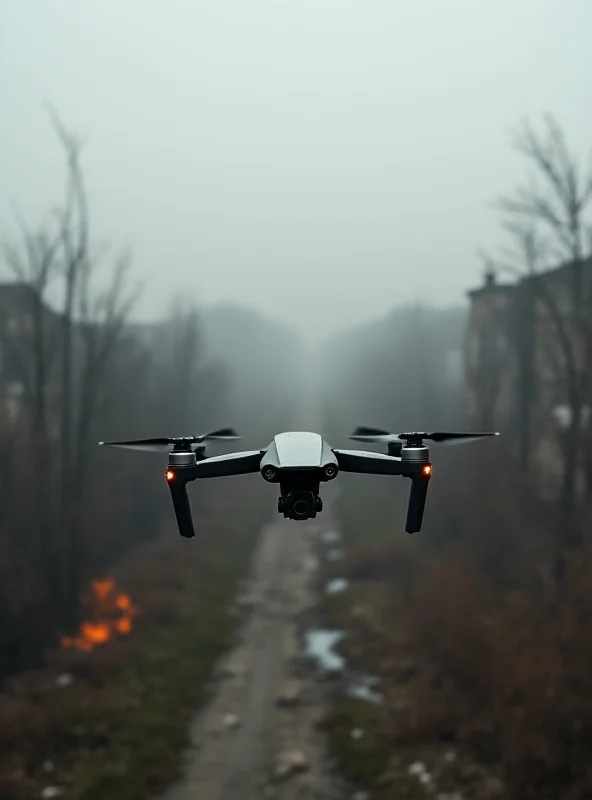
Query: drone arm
{"points": [[369, 463], [179, 476], [379, 464], [230, 464]]}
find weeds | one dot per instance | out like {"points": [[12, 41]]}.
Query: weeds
{"points": [[476, 649], [117, 729]]}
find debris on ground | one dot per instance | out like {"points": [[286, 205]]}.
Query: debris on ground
{"points": [[330, 537], [290, 696], [290, 763], [232, 671], [49, 792], [336, 585]]}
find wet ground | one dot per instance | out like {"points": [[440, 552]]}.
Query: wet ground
{"points": [[258, 736]]}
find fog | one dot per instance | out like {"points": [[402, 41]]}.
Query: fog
{"points": [[319, 161], [230, 220]]}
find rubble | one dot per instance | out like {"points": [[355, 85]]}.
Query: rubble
{"points": [[290, 763], [231, 721], [290, 696], [49, 792], [330, 537], [336, 586]]}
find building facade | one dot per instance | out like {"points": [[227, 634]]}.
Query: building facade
{"points": [[515, 373], [29, 357]]}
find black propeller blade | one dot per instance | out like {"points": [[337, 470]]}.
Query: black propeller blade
{"points": [[445, 437], [365, 434], [165, 444], [378, 436]]}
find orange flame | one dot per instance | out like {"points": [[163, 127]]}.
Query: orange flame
{"points": [[110, 614], [123, 602], [102, 589], [123, 625]]}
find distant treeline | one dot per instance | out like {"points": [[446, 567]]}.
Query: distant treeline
{"points": [[403, 372]]}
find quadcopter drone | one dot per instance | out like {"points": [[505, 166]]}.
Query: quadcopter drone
{"points": [[299, 462]]}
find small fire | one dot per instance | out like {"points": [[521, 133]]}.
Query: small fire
{"points": [[111, 613]]}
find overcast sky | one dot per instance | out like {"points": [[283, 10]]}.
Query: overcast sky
{"points": [[321, 160]]}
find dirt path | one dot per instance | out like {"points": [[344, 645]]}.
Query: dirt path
{"points": [[273, 749]]}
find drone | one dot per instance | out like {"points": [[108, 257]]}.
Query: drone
{"points": [[299, 462]]}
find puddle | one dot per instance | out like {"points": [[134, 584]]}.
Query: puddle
{"points": [[330, 537], [319, 645], [362, 689], [336, 585]]}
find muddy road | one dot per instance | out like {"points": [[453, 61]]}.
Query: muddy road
{"points": [[258, 737]]}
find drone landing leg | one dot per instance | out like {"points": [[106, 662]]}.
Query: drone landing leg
{"points": [[417, 501], [178, 486]]}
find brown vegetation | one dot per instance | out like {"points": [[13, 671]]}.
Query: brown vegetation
{"points": [[510, 671], [76, 369], [110, 720], [490, 658], [479, 625]]}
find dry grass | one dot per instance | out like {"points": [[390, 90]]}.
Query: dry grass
{"points": [[118, 729], [469, 632]]}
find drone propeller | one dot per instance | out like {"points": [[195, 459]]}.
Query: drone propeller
{"points": [[374, 435], [378, 436], [179, 443]]}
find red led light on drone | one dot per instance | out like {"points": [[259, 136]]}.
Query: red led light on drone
{"points": [[427, 470], [169, 475]]}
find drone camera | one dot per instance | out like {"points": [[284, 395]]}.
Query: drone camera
{"points": [[299, 505]]}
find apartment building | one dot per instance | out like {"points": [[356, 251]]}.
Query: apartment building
{"points": [[515, 365]]}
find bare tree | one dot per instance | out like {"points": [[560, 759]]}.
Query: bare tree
{"points": [[81, 365], [183, 352], [74, 245], [70, 352], [33, 258], [99, 328], [560, 206]]}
